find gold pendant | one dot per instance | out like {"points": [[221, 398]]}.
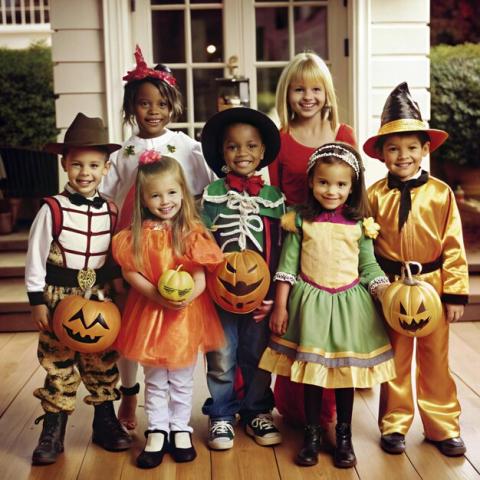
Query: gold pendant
{"points": [[86, 278]]}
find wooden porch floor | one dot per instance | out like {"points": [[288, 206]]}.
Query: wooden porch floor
{"points": [[82, 460]]}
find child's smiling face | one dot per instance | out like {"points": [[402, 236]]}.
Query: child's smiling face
{"points": [[331, 184], [243, 148], [85, 168], [152, 112], [403, 154], [163, 196]]}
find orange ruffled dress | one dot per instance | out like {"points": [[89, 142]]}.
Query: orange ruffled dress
{"points": [[158, 336]]}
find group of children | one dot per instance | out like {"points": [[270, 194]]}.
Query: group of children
{"points": [[331, 255]]}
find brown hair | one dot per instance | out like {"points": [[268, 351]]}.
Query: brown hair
{"points": [[423, 138], [357, 206], [183, 222]]}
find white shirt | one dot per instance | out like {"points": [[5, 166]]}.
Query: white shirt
{"points": [[124, 162]]}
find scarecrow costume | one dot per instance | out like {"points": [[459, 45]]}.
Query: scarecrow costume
{"points": [[242, 213], [420, 222], [71, 234]]}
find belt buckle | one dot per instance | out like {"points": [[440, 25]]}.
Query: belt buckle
{"points": [[86, 278]]}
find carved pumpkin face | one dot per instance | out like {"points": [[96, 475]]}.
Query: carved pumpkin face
{"points": [[240, 283], [86, 326], [175, 285], [412, 310]]}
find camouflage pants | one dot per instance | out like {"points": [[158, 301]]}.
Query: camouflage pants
{"points": [[66, 368]]}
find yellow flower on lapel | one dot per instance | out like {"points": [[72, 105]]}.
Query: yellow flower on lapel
{"points": [[370, 228]]}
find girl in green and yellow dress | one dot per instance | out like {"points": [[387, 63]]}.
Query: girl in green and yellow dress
{"points": [[326, 330]]}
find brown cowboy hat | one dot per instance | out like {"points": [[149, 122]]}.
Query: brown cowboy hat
{"points": [[401, 114], [83, 132]]}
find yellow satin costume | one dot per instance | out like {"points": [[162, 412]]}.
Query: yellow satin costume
{"points": [[433, 230]]}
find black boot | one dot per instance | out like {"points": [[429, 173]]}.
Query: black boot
{"points": [[107, 429], [312, 443], [344, 456], [50, 443]]}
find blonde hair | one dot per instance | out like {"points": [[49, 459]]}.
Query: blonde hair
{"points": [[183, 222], [308, 67]]}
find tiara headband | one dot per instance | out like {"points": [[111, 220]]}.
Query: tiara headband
{"points": [[346, 155], [142, 71]]}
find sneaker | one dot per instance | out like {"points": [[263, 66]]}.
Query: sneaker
{"points": [[220, 435], [262, 429]]}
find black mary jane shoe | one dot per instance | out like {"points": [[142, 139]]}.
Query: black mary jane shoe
{"points": [[153, 459], [184, 454]]}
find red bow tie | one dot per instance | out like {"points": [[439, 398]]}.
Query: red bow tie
{"points": [[252, 185]]}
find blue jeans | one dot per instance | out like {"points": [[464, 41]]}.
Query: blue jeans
{"points": [[246, 341]]}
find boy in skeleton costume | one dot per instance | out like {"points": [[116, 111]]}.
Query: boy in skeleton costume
{"points": [[71, 236], [242, 213]]}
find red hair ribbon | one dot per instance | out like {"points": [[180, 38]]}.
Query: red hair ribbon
{"points": [[149, 156], [142, 71]]}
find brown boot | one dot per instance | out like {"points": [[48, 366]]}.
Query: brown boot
{"points": [[50, 443], [344, 456], [107, 430]]}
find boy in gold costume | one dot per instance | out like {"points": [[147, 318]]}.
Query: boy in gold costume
{"points": [[419, 221]]}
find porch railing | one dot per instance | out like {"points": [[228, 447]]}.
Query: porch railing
{"points": [[24, 12]]}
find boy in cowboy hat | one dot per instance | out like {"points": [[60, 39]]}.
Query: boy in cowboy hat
{"points": [[419, 221], [243, 213], [71, 234]]}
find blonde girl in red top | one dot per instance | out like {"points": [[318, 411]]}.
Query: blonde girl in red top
{"points": [[307, 108]]}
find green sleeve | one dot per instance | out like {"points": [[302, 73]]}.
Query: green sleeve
{"points": [[290, 257], [368, 267], [208, 214]]}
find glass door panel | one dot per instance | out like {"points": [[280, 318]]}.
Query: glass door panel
{"points": [[196, 39]]}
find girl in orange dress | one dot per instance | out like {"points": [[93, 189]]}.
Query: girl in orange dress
{"points": [[164, 335]]}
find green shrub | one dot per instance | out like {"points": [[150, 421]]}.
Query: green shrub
{"points": [[27, 105], [455, 101]]}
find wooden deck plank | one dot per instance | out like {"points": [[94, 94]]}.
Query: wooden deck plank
{"points": [[465, 354], [246, 460], [424, 457], [17, 363], [373, 462]]}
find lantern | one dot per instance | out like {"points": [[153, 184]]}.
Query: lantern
{"points": [[240, 282], [176, 285], [232, 91], [411, 306], [86, 326]]}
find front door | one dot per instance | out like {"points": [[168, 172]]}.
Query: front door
{"points": [[198, 39]]}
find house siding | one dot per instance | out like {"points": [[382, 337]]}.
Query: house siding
{"points": [[78, 55], [399, 51]]}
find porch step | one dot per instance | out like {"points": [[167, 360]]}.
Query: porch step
{"points": [[13, 296], [12, 264], [15, 241]]}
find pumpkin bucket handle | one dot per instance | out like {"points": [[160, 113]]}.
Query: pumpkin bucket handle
{"points": [[408, 279]]}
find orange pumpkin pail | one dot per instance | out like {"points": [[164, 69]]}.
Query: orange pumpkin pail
{"points": [[411, 306], [240, 282], [86, 326]]}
